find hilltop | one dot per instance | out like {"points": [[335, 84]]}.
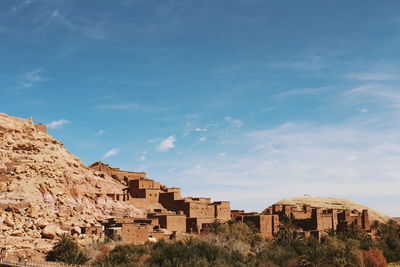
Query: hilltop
{"points": [[45, 190]]}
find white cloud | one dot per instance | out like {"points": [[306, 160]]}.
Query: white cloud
{"points": [[100, 132], [142, 157], [203, 139], [200, 129], [167, 144], [234, 122], [343, 160], [110, 153], [57, 124]]}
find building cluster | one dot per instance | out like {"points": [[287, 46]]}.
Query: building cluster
{"points": [[308, 220], [175, 215]]}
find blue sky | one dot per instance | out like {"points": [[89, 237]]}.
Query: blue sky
{"points": [[244, 100]]}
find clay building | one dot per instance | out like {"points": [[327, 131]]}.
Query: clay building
{"points": [[195, 207], [133, 230], [317, 220], [92, 230], [195, 225], [144, 188], [167, 209], [267, 225], [222, 210], [173, 223], [116, 173], [40, 127]]}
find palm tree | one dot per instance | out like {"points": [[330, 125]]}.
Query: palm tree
{"points": [[314, 256], [287, 231]]}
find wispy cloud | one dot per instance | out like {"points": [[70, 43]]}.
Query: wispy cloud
{"points": [[379, 94], [57, 124], [130, 106], [315, 63], [110, 153], [362, 110], [234, 122], [22, 4], [29, 79], [167, 144], [100, 132], [191, 128], [83, 26], [303, 91], [372, 76]]}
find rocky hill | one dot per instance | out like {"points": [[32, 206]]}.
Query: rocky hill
{"points": [[45, 190], [334, 203]]}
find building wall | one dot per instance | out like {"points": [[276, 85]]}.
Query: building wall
{"points": [[195, 225], [198, 209], [144, 188], [135, 233], [222, 210], [171, 201], [41, 128], [172, 222], [268, 225], [116, 173]]}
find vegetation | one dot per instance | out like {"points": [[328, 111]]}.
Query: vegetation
{"points": [[238, 244], [67, 250]]}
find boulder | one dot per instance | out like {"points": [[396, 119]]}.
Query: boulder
{"points": [[33, 212], [75, 230], [49, 232], [9, 222]]}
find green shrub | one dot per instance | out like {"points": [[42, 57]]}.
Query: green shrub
{"points": [[197, 253], [343, 253], [276, 254], [125, 256], [67, 250], [389, 240]]}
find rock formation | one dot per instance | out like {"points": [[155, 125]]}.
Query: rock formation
{"points": [[45, 190]]}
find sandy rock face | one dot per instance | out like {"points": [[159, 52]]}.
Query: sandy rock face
{"points": [[45, 190]]}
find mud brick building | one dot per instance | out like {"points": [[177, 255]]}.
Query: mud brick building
{"points": [[317, 221], [268, 225], [168, 213]]}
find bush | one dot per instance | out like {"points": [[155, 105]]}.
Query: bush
{"points": [[197, 253], [374, 258], [343, 252], [125, 256], [279, 255], [67, 250]]}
